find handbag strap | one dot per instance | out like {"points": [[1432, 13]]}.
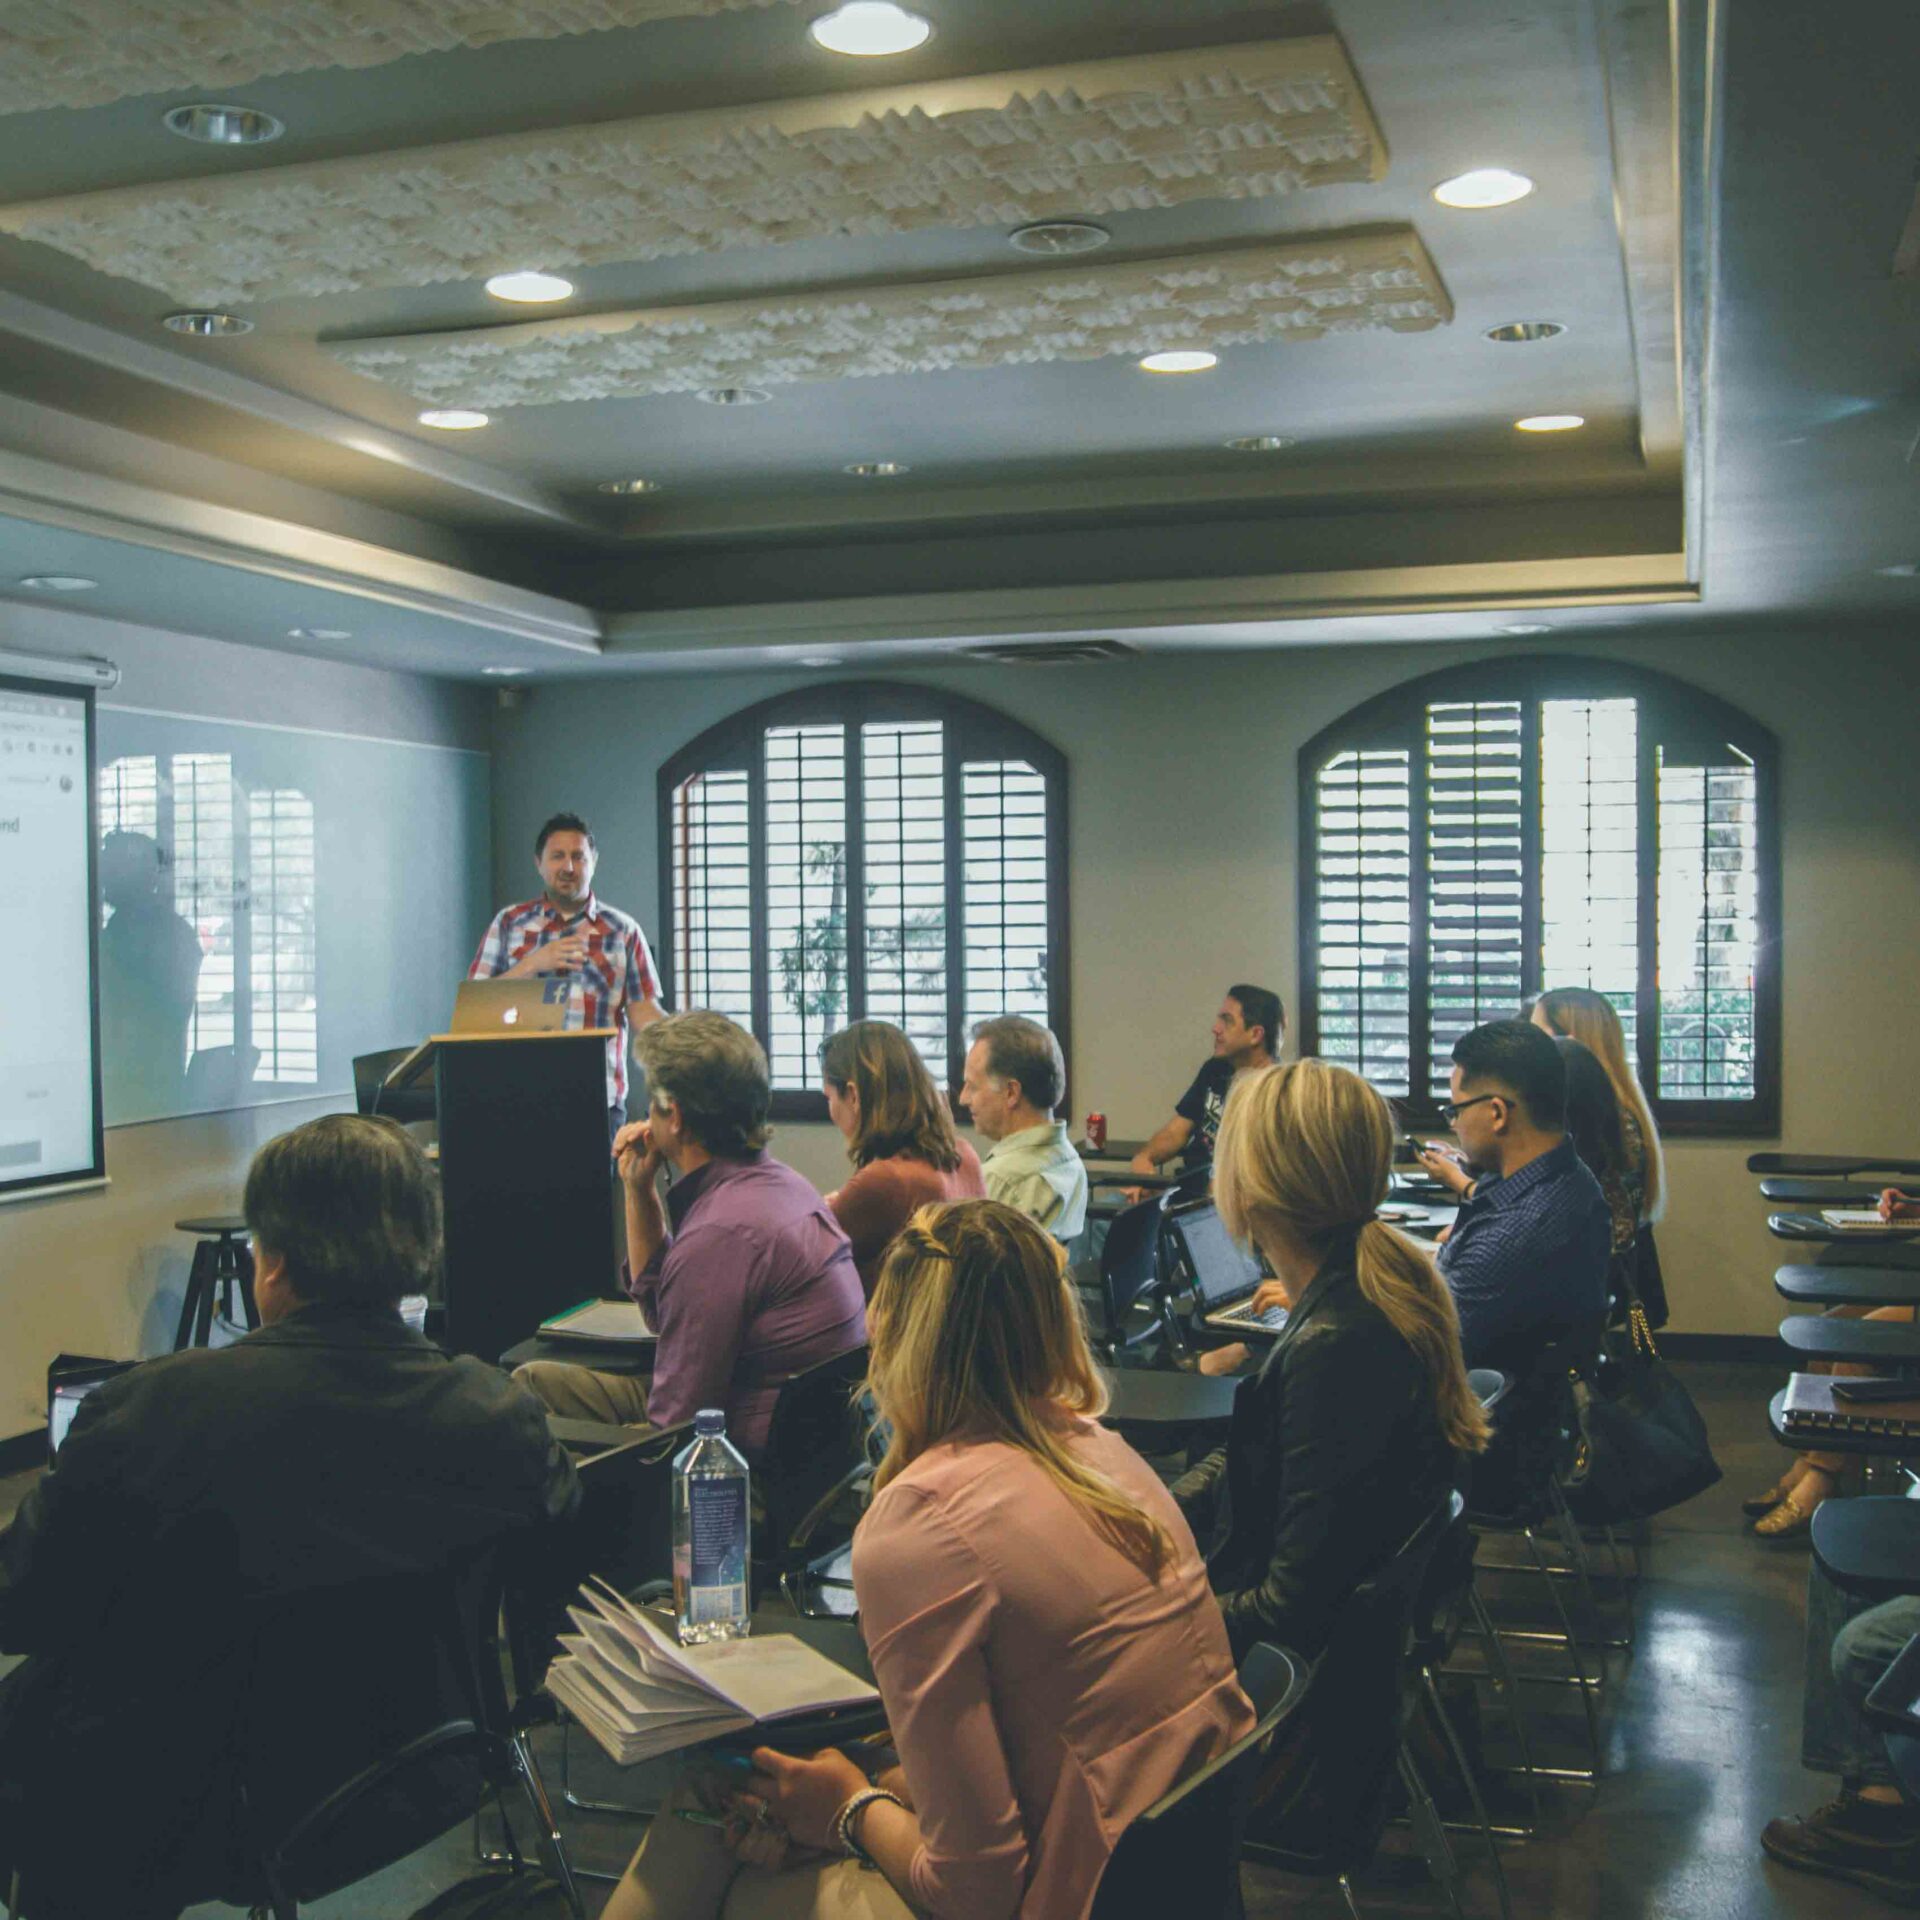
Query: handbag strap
{"points": [[1639, 1329]]}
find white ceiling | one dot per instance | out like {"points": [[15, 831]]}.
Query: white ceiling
{"points": [[1754, 460]]}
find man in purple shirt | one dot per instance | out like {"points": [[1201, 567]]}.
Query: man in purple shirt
{"points": [[743, 1274]]}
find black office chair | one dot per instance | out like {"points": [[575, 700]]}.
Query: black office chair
{"points": [[1128, 1281], [1182, 1855], [407, 1673], [813, 1466], [1328, 1793]]}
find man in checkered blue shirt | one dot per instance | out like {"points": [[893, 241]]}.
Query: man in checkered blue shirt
{"points": [[569, 930]]}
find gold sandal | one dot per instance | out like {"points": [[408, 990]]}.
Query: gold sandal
{"points": [[1788, 1520], [1764, 1503]]}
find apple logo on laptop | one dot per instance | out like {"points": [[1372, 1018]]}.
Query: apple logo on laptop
{"points": [[510, 1016]]}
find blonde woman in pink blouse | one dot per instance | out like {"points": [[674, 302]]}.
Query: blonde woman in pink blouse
{"points": [[1037, 1614]]}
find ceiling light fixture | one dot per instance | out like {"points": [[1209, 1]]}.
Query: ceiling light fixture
{"points": [[1528, 626], [223, 126], [733, 396], [869, 28], [876, 469], [1180, 360], [529, 287], [207, 325], [635, 485], [1259, 443], [1483, 187], [453, 419], [318, 633], [1524, 332], [1055, 238], [819, 659], [505, 673], [1551, 422], [1900, 570], [58, 583]]}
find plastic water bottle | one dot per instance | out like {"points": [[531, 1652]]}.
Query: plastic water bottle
{"points": [[710, 1535]]}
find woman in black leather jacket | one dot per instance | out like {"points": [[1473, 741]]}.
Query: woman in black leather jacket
{"points": [[1354, 1427]]}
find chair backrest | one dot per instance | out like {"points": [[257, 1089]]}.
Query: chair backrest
{"points": [[1535, 1428], [1329, 1789], [1130, 1260], [372, 1717], [816, 1438], [1182, 1855]]}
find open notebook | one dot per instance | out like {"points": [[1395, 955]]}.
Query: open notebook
{"points": [[631, 1684], [599, 1320], [1865, 1220]]}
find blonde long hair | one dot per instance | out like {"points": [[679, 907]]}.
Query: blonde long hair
{"points": [[1311, 1145], [975, 1329], [1581, 1014]]}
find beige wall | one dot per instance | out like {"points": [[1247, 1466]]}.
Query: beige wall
{"points": [[1183, 833], [104, 1272]]}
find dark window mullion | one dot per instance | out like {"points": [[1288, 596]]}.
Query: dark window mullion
{"points": [[954, 740], [757, 891], [856, 959], [1532, 961], [1419, 944], [1647, 857]]}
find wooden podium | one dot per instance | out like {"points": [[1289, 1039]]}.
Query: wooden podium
{"points": [[523, 1178]]}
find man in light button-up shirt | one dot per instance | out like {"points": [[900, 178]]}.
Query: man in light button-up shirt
{"points": [[1015, 1076]]}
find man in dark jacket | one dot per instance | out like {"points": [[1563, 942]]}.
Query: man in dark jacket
{"points": [[332, 1449]]}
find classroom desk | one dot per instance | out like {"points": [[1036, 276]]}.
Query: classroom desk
{"points": [[1869, 1547], [603, 1356], [1814, 1231], [1819, 1193], [1838, 1166], [1121, 1150], [1160, 1397], [1885, 1345], [1882, 1446], [1849, 1286]]}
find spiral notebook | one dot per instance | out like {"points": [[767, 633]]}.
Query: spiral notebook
{"points": [[1810, 1408]]}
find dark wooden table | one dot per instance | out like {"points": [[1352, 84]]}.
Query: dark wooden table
{"points": [[1814, 1231], [1819, 1193], [1835, 1166], [1882, 1344], [1162, 1397], [1849, 1286], [1869, 1547]]}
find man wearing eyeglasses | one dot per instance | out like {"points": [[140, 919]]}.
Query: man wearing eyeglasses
{"points": [[1527, 1258]]}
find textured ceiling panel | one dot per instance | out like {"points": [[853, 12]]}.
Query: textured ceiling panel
{"points": [[1100, 137], [83, 53], [1295, 290]]}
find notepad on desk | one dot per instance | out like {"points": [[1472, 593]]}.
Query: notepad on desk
{"points": [[601, 1320], [1865, 1220], [639, 1693], [1810, 1408]]}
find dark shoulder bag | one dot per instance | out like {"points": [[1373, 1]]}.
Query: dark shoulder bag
{"points": [[1644, 1446]]}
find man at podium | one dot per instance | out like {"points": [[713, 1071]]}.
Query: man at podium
{"points": [[569, 930]]}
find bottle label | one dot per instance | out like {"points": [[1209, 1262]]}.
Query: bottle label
{"points": [[717, 1573]]}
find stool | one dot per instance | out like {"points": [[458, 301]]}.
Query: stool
{"points": [[222, 1261]]}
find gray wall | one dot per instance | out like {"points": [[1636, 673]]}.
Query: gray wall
{"points": [[104, 1272], [1183, 837]]}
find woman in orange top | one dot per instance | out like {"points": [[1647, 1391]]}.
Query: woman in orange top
{"points": [[1035, 1609], [900, 1138]]}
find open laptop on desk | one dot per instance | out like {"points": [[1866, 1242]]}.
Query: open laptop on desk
{"points": [[1224, 1273]]}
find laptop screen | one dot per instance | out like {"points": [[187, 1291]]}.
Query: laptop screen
{"points": [[1222, 1270]]}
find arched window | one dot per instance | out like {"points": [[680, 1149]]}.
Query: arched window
{"points": [[1477, 836], [865, 851]]}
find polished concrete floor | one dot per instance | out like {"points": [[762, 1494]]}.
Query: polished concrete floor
{"points": [[1701, 1726]]}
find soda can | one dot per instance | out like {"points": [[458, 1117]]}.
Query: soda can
{"points": [[1097, 1131]]}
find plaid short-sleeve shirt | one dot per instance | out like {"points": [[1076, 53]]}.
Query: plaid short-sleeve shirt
{"points": [[619, 967]]}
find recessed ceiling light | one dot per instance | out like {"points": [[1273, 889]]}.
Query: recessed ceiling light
{"points": [[318, 633], [1900, 570], [453, 419], [224, 126], [733, 396], [1259, 443], [875, 469], [207, 325], [1528, 626], [1483, 187], [868, 28], [1057, 237], [819, 659], [529, 288], [504, 673], [635, 485], [1180, 360], [1551, 422], [58, 583], [1524, 332]]}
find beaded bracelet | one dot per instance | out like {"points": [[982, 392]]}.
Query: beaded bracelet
{"points": [[848, 1814]]}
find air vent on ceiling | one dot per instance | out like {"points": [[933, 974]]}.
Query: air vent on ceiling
{"points": [[1053, 653]]}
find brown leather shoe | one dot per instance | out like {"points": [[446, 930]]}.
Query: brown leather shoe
{"points": [[1865, 1842]]}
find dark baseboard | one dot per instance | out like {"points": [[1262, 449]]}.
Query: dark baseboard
{"points": [[1760, 1349], [24, 1450]]}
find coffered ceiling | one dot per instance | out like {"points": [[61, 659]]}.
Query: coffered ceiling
{"points": [[945, 437]]}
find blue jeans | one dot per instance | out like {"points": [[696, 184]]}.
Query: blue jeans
{"points": [[1848, 1648]]}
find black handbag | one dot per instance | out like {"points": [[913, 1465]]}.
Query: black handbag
{"points": [[1643, 1446]]}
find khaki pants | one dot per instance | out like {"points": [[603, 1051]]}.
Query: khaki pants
{"points": [[578, 1393]]}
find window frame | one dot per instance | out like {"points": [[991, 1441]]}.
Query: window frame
{"points": [[973, 731], [1395, 720]]}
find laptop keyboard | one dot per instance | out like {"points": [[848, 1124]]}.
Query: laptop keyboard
{"points": [[1270, 1322]]}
